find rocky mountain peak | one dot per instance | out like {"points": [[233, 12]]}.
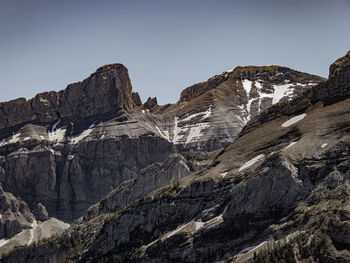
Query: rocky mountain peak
{"points": [[339, 64], [272, 75], [337, 88], [103, 93], [151, 103]]}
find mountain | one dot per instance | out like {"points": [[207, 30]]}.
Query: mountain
{"points": [[153, 183]]}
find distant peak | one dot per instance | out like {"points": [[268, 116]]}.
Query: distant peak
{"points": [[273, 74], [339, 64], [109, 67]]}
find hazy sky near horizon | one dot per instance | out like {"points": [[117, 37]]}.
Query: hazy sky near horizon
{"points": [[166, 45]]}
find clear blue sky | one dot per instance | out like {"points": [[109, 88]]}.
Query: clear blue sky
{"points": [[166, 45]]}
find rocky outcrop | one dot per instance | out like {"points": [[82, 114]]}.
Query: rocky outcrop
{"points": [[105, 92], [337, 88], [67, 179], [40, 212], [14, 215], [136, 98], [151, 103], [150, 178]]}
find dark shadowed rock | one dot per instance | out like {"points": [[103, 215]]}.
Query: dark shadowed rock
{"points": [[40, 212], [151, 103], [136, 98], [105, 92], [14, 215]]}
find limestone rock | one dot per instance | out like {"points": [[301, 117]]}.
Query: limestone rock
{"points": [[40, 212], [150, 103], [14, 215]]}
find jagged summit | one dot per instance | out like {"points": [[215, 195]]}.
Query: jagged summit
{"points": [[104, 93], [113, 66], [272, 74], [340, 64]]}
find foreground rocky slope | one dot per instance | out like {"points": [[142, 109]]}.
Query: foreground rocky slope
{"points": [[280, 190]]}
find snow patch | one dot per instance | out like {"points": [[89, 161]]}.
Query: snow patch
{"points": [[143, 111], [185, 165], [282, 91], [204, 115], [164, 134], [176, 131], [290, 145], [57, 135], [196, 131], [26, 139], [55, 126], [198, 225], [247, 85], [31, 231], [83, 135], [223, 174], [149, 126], [2, 142], [324, 145], [15, 138], [294, 120], [42, 137], [3, 242], [251, 162], [44, 101]]}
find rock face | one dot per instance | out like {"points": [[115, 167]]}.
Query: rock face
{"points": [[281, 189], [150, 178], [105, 92], [40, 212], [211, 114], [14, 215]]}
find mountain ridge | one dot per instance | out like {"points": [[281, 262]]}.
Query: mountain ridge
{"points": [[92, 169]]}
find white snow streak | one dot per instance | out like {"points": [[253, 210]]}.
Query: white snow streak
{"points": [[223, 174], [247, 85], [324, 145], [199, 225], [204, 114], [282, 91], [3, 242], [57, 135], [164, 134], [82, 136], [31, 231], [196, 131], [251, 162], [176, 132], [290, 145], [294, 120], [15, 138]]}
